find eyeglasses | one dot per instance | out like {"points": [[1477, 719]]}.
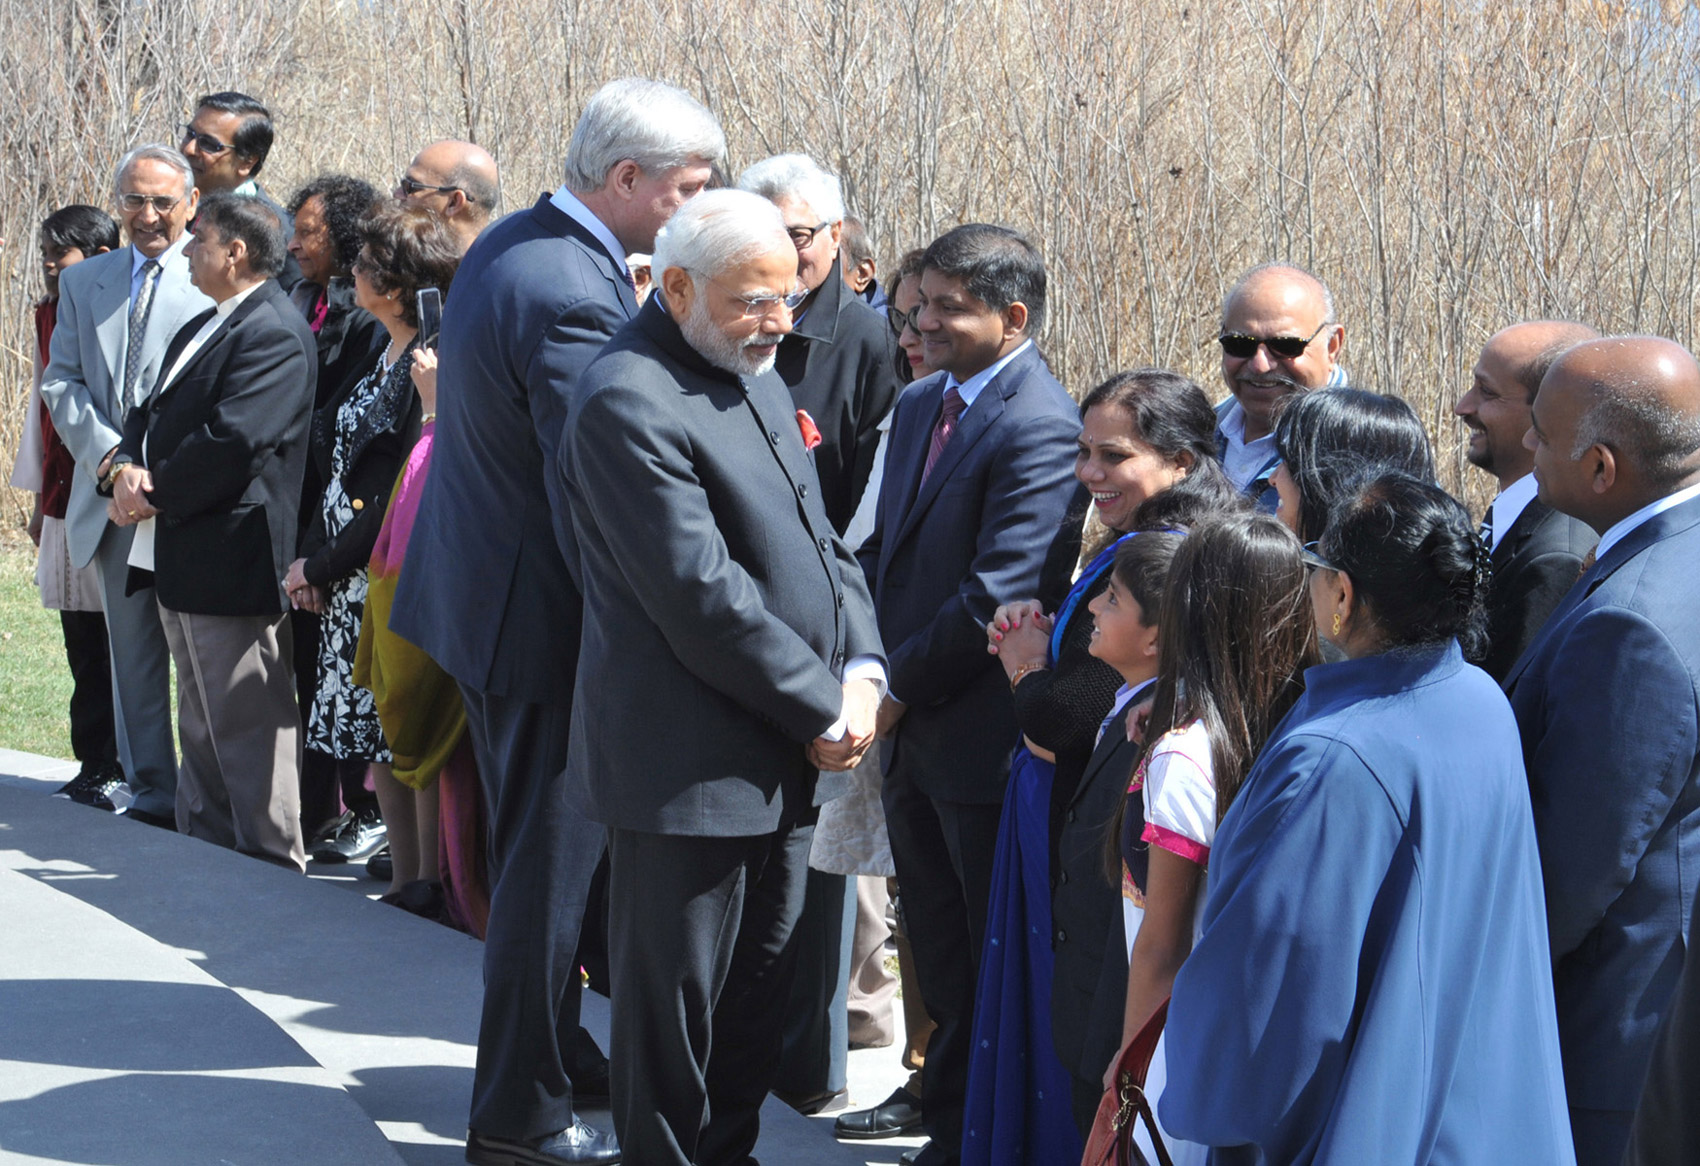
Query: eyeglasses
{"points": [[1243, 347], [410, 187], [901, 320], [160, 203], [205, 143], [1313, 558], [801, 237], [759, 305]]}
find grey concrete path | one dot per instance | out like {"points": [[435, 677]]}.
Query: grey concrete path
{"points": [[164, 1000]]}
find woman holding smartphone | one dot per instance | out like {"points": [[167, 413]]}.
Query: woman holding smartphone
{"points": [[360, 438]]}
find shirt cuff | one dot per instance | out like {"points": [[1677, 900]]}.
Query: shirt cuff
{"points": [[859, 668]]}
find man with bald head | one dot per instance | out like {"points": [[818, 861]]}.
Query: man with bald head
{"points": [[1606, 702], [1537, 551], [1279, 337], [459, 181]]}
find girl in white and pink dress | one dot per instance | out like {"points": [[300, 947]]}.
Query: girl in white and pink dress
{"points": [[1236, 637]]}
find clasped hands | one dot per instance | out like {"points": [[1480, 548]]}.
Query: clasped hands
{"points": [[303, 595], [861, 716], [129, 503], [1019, 635]]}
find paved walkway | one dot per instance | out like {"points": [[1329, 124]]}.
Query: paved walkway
{"points": [[163, 1001]]}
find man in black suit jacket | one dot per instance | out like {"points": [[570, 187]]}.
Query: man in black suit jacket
{"points": [[839, 362], [213, 463], [488, 587], [1537, 551], [978, 477], [729, 654]]}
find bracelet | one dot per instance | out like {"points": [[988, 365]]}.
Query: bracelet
{"points": [[427, 418], [1021, 673]]}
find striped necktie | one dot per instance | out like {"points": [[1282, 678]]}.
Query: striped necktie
{"points": [[140, 309]]}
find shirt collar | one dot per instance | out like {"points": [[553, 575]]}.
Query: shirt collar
{"points": [[1620, 529], [970, 388], [573, 207], [228, 306], [1125, 695], [137, 258], [1509, 506]]}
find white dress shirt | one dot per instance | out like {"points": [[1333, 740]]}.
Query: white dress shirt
{"points": [[1623, 526], [1504, 511], [1242, 459], [969, 389], [573, 207]]}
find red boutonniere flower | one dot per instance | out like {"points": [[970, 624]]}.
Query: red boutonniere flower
{"points": [[810, 431]]}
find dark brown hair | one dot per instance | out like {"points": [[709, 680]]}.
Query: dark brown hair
{"points": [[1141, 566], [408, 248], [1237, 636]]}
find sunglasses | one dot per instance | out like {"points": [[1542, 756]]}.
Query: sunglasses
{"points": [[205, 143], [410, 187], [1313, 558], [1243, 347], [901, 320]]}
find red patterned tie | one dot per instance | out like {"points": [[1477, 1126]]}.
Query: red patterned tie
{"points": [[953, 407]]}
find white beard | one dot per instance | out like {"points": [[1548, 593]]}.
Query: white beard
{"points": [[721, 350]]}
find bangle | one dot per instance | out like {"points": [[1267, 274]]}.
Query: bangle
{"points": [[1021, 673], [427, 418]]}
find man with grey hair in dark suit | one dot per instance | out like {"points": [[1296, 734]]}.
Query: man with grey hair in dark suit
{"points": [[488, 591], [729, 656]]}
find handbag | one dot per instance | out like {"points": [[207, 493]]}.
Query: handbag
{"points": [[1111, 1143]]}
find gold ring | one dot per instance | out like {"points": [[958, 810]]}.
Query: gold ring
{"points": [[133, 514]]}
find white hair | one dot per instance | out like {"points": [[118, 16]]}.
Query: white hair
{"points": [[719, 229], [797, 176], [154, 152], [649, 122]]}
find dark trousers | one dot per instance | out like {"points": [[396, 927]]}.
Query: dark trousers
{"points": [[699, 945], [328, 786], [816, 1048], [943, 851], [94, 736], [1600, 1135], [542, 855]]}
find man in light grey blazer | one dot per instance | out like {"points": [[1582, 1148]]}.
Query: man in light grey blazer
{"points": [[117, 313]]}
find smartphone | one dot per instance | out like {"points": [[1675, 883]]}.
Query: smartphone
{"points": [[430, 316]]}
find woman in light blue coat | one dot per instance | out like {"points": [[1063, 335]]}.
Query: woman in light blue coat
{"points": [[1371, 983]]}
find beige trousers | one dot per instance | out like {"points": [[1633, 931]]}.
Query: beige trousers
{"points": [[239, 783]]}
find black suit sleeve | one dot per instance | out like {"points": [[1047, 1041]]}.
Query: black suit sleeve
{"points": [[631, 463], [1020, 511], [370, 481], [264, 377]]}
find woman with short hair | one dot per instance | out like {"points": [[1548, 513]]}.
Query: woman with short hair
{"points": [[359, 440]]}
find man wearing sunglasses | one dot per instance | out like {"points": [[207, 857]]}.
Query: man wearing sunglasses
{"points": [[459, 181], [117, 313], [226, 143], [1279, 337]]}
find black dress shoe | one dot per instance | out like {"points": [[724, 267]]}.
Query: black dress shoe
{"points": [[577, 1145], [360, 838], [380, 866], [896, 1116]]}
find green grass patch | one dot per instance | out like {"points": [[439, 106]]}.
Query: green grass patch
{"points": [[35, 682]]}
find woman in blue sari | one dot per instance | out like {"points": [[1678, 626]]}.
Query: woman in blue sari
{"points": [[1146, 454], [1372, 982]]}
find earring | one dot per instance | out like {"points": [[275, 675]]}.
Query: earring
{"points": [[1336, 630]]}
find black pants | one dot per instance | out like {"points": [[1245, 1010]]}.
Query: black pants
{"points": [[328, 785], [94, 735], [816, 1046], [542, 858], [943, 851], [699, 940]]}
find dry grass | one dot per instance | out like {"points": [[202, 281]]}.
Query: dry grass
{"points": [[1448, 166]]}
